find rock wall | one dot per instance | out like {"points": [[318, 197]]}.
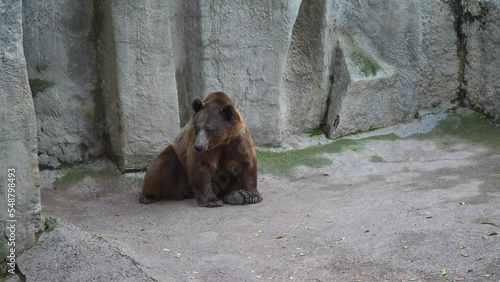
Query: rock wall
{"points": [[245, 48], [116, 78], [18, 138], [381, 64], [439, 67], [188, 53], [481, 78], [306, 81], [136, 63], [59, 43]]}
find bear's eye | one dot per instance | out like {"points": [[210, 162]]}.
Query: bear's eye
{"points": [[211, 132]]}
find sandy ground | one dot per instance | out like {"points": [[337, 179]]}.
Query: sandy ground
{"points": [[425, 209]]}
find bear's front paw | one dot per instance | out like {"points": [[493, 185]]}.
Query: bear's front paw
{"points": [[213, 203], [146, 199]]}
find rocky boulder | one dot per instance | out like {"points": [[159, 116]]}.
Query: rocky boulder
{"points": [[18, 140], [59, 44]]}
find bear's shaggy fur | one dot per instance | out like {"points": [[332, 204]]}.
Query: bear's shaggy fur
{"points": [[212, 158]]}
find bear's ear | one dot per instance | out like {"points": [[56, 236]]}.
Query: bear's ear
{"points": [[197, 104], [228, 113]]}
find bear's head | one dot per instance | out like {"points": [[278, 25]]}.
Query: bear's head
{"points": [[216, 121]]}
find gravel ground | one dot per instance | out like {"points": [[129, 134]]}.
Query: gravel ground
{"points": [[408, 209]]}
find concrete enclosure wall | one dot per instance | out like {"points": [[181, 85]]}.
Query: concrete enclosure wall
{"points": [[20, 216], [116, 78], [136, 64], [60, 48]]}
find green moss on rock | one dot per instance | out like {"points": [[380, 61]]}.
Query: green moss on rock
{"points": [[50, 224], [38, 85], [315, 132], [285, 163], [41, 67], [367, 65], [474, 128], [75, 175], [377, 159]]}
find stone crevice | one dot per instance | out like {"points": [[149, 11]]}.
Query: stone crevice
{"points": [[458, 11], [463, 16]]}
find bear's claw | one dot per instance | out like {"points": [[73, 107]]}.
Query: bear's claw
{"points": [[239, 197], [145, 199], [242, 197], [255, 199], [214, 204]]}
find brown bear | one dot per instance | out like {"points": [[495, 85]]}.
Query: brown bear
{"points": [[212, 158]]}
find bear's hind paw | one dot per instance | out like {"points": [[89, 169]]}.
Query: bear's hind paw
{"points": [[242, 197], [213, 203], [146, 199], [239, 197], [255, 199]]}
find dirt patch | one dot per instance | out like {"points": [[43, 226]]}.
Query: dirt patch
{"points": [[398, 209]]}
